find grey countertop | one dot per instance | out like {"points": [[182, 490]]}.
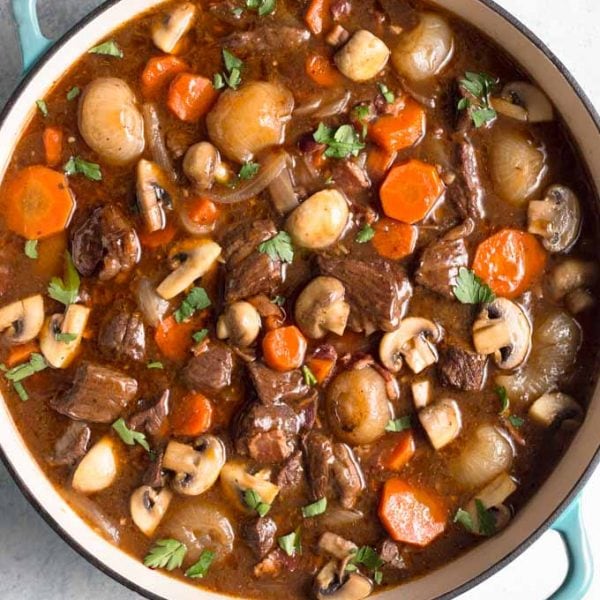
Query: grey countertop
{"points": [[36, 564]]}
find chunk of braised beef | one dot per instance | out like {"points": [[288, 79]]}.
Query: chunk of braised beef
{"points": [[72, 445], [350, 177], [98, 394], [347, 474], [340, 9], [337, 36], [273, 386], [106, 244], [307, 410], [461, 368], [290, 475], [440, 263], [152, 420], [469, 199], [240, 241], [266, 37], [318, 451], [122, 335], [389, 553], [210, 371], [268, 434], [277, 562], [154, 475], [259, 534], [376, 289]]}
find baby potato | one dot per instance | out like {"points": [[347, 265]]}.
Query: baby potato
{"points": [[362, 57], [319, 221]]}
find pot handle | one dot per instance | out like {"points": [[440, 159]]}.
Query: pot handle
{"points": [[579, 576], [32, 40]]}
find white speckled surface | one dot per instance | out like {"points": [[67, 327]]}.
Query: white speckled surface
{"points": [[35, 564]]}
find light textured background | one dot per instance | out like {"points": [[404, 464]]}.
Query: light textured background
{"points": [[35, 564]]}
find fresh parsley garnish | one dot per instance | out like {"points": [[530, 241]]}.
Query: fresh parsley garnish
{"points": [[129, 436], [21, 391], [471, 289], [199, 569], [503, 396], [253, 501], [315, 509], [248, 170], [309, 376], [279, 247], [361, 113], [396, 425], [77, 165], [109, 48], [263, 7], [487, 522], [196, 300], [155, 364], [369, 558], [365, 234], [200, 336], [35, 364], [42, 107], [237, 11], [73, 93], [65, 291], [232, 76], [291, 543], [378, 577], [479, 86], [464, 518], [67, 338], [278, 300], [166, 554], [387, 94], [516, 421], [31, 250], [341, 142]]}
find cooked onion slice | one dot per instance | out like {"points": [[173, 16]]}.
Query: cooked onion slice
{"points": [[156, 141], [151, 305]]}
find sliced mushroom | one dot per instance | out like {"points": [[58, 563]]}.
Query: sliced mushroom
{"points": [[502, 329], [331, 585], [202, 164], [414, 340], [191, 260], [97, 469], [168, 31], [61, 337], [240, 323], [336, 545], [555, 407], [235, 480], [531, 98], [556, 218], [572, 274], [321, 308], [508, 109], [422, 393], [148, 506], [22, 320], [152, 195], [363, 56], [110, 122], [441, 421], [196, 467]]}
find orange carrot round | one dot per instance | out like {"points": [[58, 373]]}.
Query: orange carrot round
{"points": [[402, 452], [158, 72], [410, 514], [321, 368], [321, 71], [202, 211], [379, 162], [410, 191], [284, 348], [394, 239], [53, 145], [37, 202], [397, 132], [190, 96], [192, 416], [174, 339], [318, 16], [510, 262]]}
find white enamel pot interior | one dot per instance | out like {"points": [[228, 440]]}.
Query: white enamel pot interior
{"points": [[471, 567]]}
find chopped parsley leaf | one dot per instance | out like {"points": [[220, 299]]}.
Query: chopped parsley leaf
{"points": [[232, 76], [278, 300], [365, 234], [253, 500], [309, 376], [200, 336], [35, 364], [396, 425], [315, 509], [31, 250], [471, 289], [156, 364], [341, 142], [73, 93], [503, 396], [43, 107], [249, 170], [67, 338], [77, 165], [279, 247], [129, 436], [291, 543], [166, 554], [479, 86], [487, 522], [200, 568], [516, 421], [196, 300], [109, 48], [263, 7], [464, 518], [65, 291], [367, 557], [387, 94]]}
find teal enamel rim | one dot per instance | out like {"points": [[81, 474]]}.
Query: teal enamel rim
{"points": [[566, 519]]}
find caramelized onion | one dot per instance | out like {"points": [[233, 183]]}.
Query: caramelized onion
{"points": [[156, 141], [151, 305], [282, 191], [92, 513], [334, 107]]}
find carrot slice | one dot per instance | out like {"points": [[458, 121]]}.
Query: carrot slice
{"points": [[19, 354], [318, 16], [190, 96], [394, 239], [37, 202], [159, 238], [158, 72], [321, 368], [53, 145], [379, 161], [284, 348], [411, 515], [510, 262], [202, 211], [192, 416], [321, 71], [402, 452], [410, 191], [397, 132], [174, 339]]}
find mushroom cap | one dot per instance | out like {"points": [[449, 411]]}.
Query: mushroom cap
{"points": [[59, 353], [553, 407], [168, 30], [535, 102], [442, 422], [200, 163], [329, 586], [236, 479], [503, 329], [151, 189], [148, 506], [363, 56], [22, 320], [240, 323]]}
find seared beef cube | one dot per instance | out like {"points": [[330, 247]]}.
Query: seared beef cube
{"points": [[470, 181], [290, 475], [461, 368], [265, 37], [348, 476], [210, 371], [72, 445], [390, 555], [154, 475], [350, 177], [340, 9], [122, 336], [440, 263], [307, 410], [240, 241], [257, 274], [276, 563], [106, 241], [377, 291], [259, 534], [319, 458], [269, 434], [152, 419], [272, 386], [98, 394]]}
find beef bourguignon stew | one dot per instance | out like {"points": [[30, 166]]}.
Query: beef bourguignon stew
{"points": [[297, 296]]}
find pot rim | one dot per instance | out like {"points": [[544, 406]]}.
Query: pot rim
{"points": [[500, 12]]}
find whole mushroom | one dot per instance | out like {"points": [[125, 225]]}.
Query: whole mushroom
{"points": [[61, 337], [203, 166], [363, 56], [152, 195], [148, 507], [240, 323], [22, 320]]}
